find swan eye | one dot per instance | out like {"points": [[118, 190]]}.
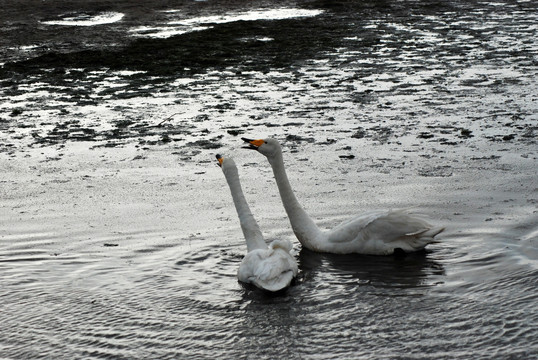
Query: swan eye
{"points": [[265, 142]]}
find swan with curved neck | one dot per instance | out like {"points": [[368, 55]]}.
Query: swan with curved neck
{"points": [[270, 268], [373, 233]]}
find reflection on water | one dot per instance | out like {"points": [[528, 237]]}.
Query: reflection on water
{"points": [[87, 20], [398, 271], [252, 15], [186, 25]]}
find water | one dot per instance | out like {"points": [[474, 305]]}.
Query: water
{"points": [[175, 301], [118, 238]]}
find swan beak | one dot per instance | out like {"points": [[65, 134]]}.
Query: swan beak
{"points": [[253, 144], [220, 159]]}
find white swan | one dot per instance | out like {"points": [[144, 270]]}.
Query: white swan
{"points": [[374, 233], [271, 268]]}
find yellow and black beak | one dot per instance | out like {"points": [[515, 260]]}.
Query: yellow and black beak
{"points": [[219, 159], [253, 144]]}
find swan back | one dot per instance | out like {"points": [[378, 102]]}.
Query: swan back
{"points": [[271, 269], [381, 233]]}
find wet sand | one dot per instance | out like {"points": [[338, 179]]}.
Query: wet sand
{"points": [[74, 192]]}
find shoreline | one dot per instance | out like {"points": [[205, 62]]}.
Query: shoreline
{"points": [[106, 192]]}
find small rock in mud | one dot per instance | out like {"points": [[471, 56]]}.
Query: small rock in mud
{"points": [[294, 124], [445, 141], [235, 132], [492, 157], [328, 142], [201, 118], [298, 138], [425, 135], [165, 139], [224, 106], [437, 171], [383, 133], [268, 124], [15, 112], [123, 123], [466, 133], [359, 134], [205, 144]]}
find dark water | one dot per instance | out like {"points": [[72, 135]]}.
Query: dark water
{"points": [[174, 301], [453, 83]]}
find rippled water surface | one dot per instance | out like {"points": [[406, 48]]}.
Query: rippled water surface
{"points": [[172, 300], [118, 238]]}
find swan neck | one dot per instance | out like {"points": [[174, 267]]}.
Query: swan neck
{"points": [[249, 226], [303, 226]]}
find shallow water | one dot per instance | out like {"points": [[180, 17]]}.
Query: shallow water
{"points": [[118, 238], [169, 300]]}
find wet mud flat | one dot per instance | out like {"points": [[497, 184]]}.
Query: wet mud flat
{"points": [[107, 144], [345, 69], [432, 90]]}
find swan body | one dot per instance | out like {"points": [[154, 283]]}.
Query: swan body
{"points": [[270, 268], [373, 233]]}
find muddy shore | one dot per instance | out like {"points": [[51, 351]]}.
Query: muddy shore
{"points": [[348, 92]]}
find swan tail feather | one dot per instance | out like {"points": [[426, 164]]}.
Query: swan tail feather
{"points": [[420, 239], [276, 283], [427, 232], [268, 269]]}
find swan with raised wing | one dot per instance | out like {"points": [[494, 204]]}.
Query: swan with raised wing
{"points": [[271, 268], [373, 233]]}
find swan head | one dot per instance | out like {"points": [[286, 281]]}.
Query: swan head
{"points": [[268, 147], [227, 164]]}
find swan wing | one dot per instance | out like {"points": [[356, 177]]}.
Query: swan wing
{"points": [[382, 232], [362, 225], [270, 269]]}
